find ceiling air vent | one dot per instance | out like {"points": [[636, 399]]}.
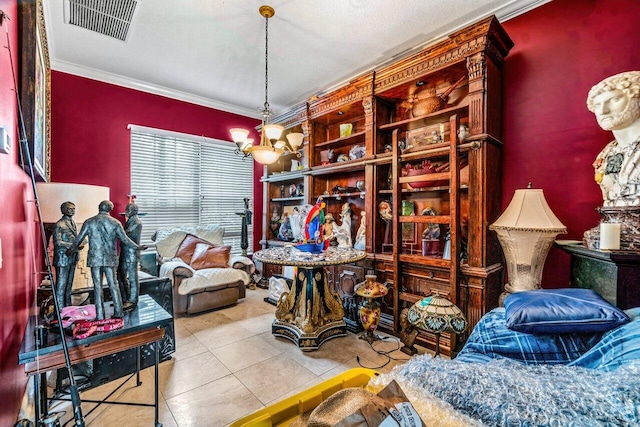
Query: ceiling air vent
{"points": [[109, 17]]}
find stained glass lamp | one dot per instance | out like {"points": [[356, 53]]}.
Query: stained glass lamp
{"points": [[437, 314]]}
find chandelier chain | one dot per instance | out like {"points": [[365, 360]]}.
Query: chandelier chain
{"points": [[266, 66]]}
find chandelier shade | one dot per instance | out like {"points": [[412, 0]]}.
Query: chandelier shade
{"points": [[265, 155], [295, 139], [273, 131]]}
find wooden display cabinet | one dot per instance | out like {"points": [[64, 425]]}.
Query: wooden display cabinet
{"points": [[403, 116], [463, 185]]}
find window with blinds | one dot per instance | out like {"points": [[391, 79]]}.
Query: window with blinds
{"points": [[181, 179]]}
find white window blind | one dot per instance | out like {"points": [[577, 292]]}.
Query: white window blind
{"points": [[181, 179]]}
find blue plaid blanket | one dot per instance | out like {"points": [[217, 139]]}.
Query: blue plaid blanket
{"points": [[491, 339]]}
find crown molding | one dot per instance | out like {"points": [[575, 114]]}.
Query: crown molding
{"points": [[118, 80], [516, 8]]}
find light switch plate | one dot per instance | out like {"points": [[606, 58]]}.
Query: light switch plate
{"points": [[5, 143]]}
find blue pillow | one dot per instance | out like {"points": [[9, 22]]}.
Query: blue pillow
{"points": [[561, 311]]}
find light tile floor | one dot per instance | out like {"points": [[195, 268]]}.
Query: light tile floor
{"points": [[227, 365]]}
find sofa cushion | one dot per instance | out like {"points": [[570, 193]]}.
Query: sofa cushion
{"points": [[561, 311], [210, 256], [188, 246], [168, 245], [168, 239]]}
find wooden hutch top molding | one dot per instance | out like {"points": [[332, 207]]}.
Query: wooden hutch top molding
{"points": [[294, 116], [485, 36], [355, 90]]}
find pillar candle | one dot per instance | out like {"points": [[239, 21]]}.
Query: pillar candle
{"points": [[610, 235]]}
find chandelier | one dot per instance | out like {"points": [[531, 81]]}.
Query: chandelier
{"points": [[271, 147]]}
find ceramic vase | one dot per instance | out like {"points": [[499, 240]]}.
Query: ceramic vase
{"points": [[370, 315]]}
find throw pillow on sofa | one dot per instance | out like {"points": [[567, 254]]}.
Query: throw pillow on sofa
{"points": [[188, 246], [210, 256], [561, 311]]}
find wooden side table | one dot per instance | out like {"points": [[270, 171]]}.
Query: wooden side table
{"points": [[613, 274]]}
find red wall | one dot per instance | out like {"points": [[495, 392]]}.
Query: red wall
{"points": [[561, 50], [20, 245], [90, 139]]}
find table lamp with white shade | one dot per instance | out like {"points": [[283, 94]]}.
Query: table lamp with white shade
{"points": [[526, 230]]}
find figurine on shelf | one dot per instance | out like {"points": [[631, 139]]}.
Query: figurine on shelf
{"points": [[296, 225], [433, 230], [463, 133], [274, 222], [435, 137], [285, 233], [360, 235], [329, 223], [384, 210], [343, 231]]}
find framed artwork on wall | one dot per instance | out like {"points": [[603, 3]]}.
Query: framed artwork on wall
{"points": [[35, 87]]}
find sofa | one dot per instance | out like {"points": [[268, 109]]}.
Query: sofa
{"points": [[204, 274]]}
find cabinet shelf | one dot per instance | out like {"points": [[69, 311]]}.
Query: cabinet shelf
{"points": [[346, 140], [438, 189], [431, 261], [429, 151], [287, 199], [425, 219], [286, 176], [339, 167], [339, 196], [418, 122], [440, 176]]}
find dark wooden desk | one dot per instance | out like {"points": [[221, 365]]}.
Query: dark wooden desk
{"points": [[142, 326], [613, 274]]}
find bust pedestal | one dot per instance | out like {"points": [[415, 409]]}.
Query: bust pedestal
{"points": [[613, 274], [629, 219]]}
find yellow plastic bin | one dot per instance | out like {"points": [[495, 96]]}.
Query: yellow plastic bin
{"points": [[284, 412]]}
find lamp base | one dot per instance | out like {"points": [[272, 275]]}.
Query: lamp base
{"points": [[409, 350], [370, 337]]}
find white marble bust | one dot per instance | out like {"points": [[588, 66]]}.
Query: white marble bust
{"points": [[616, 103]]}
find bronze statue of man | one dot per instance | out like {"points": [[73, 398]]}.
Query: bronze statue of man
{"points": [[103, 230], [64, 234], [129, 259]]}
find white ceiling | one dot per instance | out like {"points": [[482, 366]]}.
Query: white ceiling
{"points": [[211, 52]]}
